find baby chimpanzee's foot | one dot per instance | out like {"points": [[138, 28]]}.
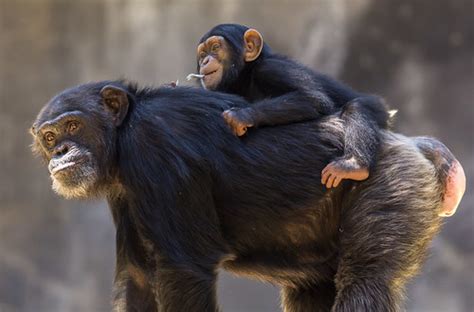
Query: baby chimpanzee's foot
{"points": [[239, 120], [341, 169]]}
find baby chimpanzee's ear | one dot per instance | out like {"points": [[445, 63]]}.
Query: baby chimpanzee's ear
{"points": [[115, 100], [253, 45]]}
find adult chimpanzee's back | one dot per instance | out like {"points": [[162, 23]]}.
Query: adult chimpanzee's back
{"points": [[188, 198]]}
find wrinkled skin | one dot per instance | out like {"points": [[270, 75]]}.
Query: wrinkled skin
{"points": [[78, 144]]}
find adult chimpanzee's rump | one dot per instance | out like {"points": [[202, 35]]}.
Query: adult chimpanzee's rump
{"points": [[188, 197]]}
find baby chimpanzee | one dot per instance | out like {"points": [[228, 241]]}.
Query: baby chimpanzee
{"points": [[234, 59]]}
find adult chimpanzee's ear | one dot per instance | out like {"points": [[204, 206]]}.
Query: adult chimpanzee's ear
{"points": [[32, 130], [253, 44], [116, 101]]}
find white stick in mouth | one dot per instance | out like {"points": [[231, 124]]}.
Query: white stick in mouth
{"points": [[196, 76]]}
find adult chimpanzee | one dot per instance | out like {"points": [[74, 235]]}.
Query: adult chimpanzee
{"points": [[234, 59], [188, 197]]}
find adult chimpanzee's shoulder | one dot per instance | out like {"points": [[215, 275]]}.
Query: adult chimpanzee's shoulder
{"points": [[177, 116], [189, 99]]}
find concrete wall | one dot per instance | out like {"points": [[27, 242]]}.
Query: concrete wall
{"points": [[58, 255]]}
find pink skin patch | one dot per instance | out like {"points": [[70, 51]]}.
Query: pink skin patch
{"points": [[455, 188]]}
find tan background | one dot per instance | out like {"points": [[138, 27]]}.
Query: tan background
{"points": [[57, 255]]}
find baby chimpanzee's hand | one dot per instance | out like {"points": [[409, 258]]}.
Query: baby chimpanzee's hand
{"points": [[239, 120]]}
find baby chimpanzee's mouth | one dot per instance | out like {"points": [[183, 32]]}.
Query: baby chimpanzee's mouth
{"points": [[210, 73]]}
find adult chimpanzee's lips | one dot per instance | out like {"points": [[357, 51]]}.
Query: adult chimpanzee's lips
{"points": [[62, 166], [58, 167]]}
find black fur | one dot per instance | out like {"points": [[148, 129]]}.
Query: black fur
{"points": [[188, 197], [284, 91]]}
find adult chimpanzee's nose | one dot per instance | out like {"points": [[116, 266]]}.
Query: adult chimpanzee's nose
{"points": [[61, 150]]}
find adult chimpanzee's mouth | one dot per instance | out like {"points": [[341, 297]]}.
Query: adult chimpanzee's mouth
{"points": [[69, 164], [63, 166]]}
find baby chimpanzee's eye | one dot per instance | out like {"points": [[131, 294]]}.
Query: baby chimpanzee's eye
{"points": [[215, 47]]}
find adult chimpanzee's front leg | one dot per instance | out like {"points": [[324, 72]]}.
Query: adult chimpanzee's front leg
{"points": [[132, 289], [130, 296], [185, 287], [315, 297], [186, 249], [119, 296]]}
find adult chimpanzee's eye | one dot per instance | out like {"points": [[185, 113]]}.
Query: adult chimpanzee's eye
{"points": [[202, 55], [72, 126], [49, 137]]}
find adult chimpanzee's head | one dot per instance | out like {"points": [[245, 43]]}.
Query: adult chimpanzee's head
{"points": [[75, 134], [225, 51]]}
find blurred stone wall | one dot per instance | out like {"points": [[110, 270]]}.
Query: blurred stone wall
{"points": [[59, 256]]}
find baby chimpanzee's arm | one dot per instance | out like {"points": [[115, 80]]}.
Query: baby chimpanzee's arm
{"points": [[293, 93]]}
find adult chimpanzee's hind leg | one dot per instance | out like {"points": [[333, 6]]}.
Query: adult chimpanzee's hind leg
{"points": [[315, 298], [378, 256], [182, 288], [387, 224]]}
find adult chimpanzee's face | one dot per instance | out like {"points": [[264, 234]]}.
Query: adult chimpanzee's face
{"points": [[75, 134]]}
